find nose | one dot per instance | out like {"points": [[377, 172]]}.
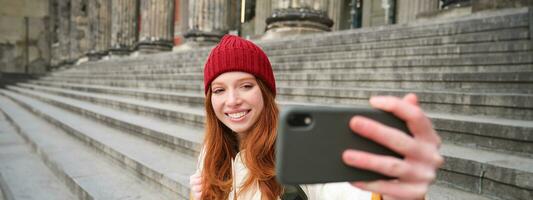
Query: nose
{"points": [[233, 99]]}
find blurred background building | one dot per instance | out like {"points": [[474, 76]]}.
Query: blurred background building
{"points": [[41, 34]]}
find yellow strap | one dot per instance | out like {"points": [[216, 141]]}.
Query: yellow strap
{"points": [[376, 196]]}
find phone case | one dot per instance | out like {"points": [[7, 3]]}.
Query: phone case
{"points": [[310, 150]]}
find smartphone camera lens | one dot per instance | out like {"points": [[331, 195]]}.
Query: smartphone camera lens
{"points": [[300, 120], [307, 120]]}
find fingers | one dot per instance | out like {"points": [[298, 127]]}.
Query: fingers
{"points": [[395, 189], [197, 196], [196, 185], [195, 179], [416, 120], [395, 140], [417, 170], [389, 166], [411, 98]]}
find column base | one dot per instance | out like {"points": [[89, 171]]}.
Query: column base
{"points": [[82, 59], [119, 52], [154, 46], [93, 56], [200, 38], [287, 31], [296, 21]]}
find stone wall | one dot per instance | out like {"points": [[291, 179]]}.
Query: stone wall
{"points": [[24, 45], [480, 5]]}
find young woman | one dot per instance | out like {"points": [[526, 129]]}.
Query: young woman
{"points": [[237, 160]]}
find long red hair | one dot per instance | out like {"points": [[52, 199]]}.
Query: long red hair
{"points": [[221, 146]]}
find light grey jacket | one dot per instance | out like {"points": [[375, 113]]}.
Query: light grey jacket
{"points": [[329, 191]]}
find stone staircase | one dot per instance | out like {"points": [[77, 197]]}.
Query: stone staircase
{"points": [[130, 128]]}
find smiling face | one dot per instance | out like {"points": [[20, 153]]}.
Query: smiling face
{"points": [[237, 100]]}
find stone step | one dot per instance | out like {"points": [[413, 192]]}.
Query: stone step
{"points": [[461, 44], [505, 105], [4, 192], [403, 51], [21, 170], [74, 160], [186, 95], [519, 32], [474, 68], [170, 112], [505, 36], [453, 162], [507, 136], [492, 62], [505, 82], [513, 19], [317, 78], [439, 191], [511, 26], [497, 175], [513, 136], [481, 104], [449, 63], [513, 98], [184, 136]]}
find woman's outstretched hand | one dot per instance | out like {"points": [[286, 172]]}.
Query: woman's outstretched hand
{"points": [[417, 170]]}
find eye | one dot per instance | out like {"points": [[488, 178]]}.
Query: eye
{"points": [[248, 86], [218, 90]]}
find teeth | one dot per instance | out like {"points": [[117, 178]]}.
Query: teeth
{"points": [[237, 115]]}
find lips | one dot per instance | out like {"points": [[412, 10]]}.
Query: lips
{"points": [[237, 115]]}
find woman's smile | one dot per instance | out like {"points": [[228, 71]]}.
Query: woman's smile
{"points": [[237, 116]]}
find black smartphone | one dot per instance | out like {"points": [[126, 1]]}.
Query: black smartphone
{"points": [[311, 140]]}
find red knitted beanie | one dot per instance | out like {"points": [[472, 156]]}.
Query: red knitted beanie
{"points": [[236, 54]]}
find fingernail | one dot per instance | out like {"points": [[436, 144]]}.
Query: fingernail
{"points": [[430, 175], [360, 122], [351, 155]]}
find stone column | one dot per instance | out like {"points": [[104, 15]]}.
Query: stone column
{"points": [[408, 10], [79, 28], [335, 9], [208, 21], [104, 27], [263, 10], [123, 26], [290, 17], [157, 26], [93, 25], [100, 28], [390, 11], [180, 20], [64, 39]]}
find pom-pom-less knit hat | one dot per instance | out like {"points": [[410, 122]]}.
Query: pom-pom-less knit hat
{"points": [[236, 54]]}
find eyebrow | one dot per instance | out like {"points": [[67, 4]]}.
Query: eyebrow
{"points": [[238, 80]]}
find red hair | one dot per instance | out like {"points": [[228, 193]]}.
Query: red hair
{"points": [[221, 146]]}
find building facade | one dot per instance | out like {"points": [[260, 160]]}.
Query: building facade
{"points": [[82, 30]]}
